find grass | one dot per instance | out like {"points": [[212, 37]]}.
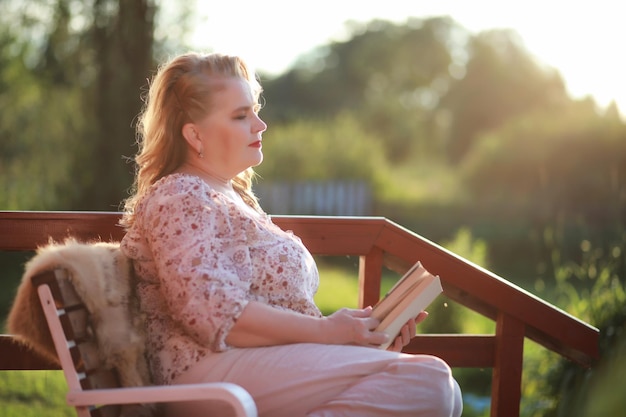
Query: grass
{"points": [[338, 287], [33, 394]]}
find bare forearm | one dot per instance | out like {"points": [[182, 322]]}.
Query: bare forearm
{"points": [[263, 325]]}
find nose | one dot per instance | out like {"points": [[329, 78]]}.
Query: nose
{"points": [[260, 126]]}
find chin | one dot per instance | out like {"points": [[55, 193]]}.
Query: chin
{"points": [[258, 160]]}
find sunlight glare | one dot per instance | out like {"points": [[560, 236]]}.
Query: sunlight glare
{"points": [[584, 41]]}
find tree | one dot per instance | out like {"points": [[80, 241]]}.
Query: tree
{"points": [[72, 72], [122, 36], [322, 150], [502, 81], [39, 113], [391, 75], [560, 171]]}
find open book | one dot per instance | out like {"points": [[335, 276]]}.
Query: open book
{"points": [[406, 299]]}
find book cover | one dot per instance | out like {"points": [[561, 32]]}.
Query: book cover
{"points": [[406, 299]]}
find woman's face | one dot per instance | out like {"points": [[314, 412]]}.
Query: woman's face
{"points": [[231, 133]]}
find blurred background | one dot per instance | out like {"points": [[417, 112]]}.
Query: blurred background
{"points": [[494, 128]]}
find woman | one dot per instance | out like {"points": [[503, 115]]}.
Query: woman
{"points": [[228, 295]]}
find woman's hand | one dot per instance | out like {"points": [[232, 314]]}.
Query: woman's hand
{"points": [[353, 327], [407, 333]]}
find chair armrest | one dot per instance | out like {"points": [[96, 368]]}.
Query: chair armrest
{"points": [[233, 394]]}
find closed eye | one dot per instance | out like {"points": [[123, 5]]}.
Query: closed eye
{"points": [[243, 112]]}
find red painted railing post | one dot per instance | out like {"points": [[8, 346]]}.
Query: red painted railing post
{"points": [[370, 272], [506, 389]]}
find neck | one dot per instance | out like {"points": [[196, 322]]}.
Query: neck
{"points": [[210, 177]]}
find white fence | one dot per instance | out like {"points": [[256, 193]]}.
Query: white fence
{"points": [[331, 198]]}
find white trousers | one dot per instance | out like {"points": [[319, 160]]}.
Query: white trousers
{"points": [[312, 380]]}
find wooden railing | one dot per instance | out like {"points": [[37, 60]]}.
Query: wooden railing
{"points": [[378, 242]]}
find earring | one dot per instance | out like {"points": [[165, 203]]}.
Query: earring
{"points": [[200, 154]]}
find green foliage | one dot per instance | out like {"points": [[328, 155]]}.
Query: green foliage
{"points": [[37, 173], [502, 81], [537, 396], [40, 140], [322, 150], [419, 182], [466, 246], [392, 76], [562, 169], [381, 61], [565, 160], [33, 394], [12, 269], [448, 316], [592, 290], [67, 76], [605, 397]]}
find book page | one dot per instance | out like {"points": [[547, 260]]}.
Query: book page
{"points": [[399, 290], [405, 300], [410, 307]]}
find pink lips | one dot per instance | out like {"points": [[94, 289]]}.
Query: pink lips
{"points": [[256, 144]]}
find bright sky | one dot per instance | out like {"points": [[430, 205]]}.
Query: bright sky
{"points": [[584, 40]]}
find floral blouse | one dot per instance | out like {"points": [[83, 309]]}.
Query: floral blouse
{"points": [[199, 259]]}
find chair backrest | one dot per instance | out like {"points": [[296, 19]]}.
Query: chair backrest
{"points": [[74, 339]]}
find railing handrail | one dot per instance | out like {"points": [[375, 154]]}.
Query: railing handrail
{"points": [[463, 281]]}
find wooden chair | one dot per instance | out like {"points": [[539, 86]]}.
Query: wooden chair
{"points": [[96, 391]]}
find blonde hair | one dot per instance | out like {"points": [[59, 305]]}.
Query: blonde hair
{"points": [[180, 93]]}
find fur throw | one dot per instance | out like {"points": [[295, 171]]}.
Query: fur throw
{"points": [[102, 277]]}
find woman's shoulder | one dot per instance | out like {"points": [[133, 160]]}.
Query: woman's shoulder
{"points": [[176, 183], [180, 185], [176, 188]]}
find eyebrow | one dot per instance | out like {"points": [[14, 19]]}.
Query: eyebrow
{"points": [[246, 108]]}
